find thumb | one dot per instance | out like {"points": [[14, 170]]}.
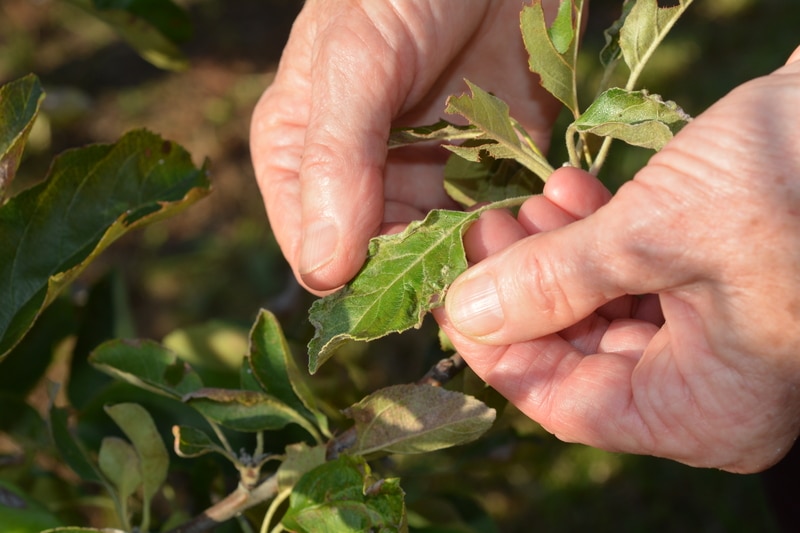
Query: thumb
{"points": [[551, 280], [794, 57]]}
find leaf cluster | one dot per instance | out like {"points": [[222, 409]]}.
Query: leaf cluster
{"points": [[318, 478], [495, 159]]}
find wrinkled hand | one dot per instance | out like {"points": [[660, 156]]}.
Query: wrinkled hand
{"points": [[711, 225], [352, 70]]}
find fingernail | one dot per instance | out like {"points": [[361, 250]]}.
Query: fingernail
{"points": [[474, 306], [320, 240]]}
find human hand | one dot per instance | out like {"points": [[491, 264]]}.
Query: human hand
{"points": [[712, 227], [350, 72]]}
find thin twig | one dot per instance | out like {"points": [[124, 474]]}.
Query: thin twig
{"points": [[243, 498], [234, 503]]}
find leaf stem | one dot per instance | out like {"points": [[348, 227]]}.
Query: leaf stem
{"points": [[648, 53], [602, 154], [273, 508]]}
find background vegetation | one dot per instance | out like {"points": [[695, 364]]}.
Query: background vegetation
{"points": [[218, 262]]}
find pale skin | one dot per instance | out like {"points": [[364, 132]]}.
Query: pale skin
{"points": [[704, 369]]}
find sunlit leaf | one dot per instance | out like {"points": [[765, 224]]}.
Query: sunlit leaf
{"points": [[551, 50], [342, 496], [138, 426], [636, 117], [417, 419], [404, 276], [503, 136], [274, 367], [120, 463], [643, 30], [242, 410], [93, 195], [152, 28], [300, 458], [19, 106], [148, 365]]}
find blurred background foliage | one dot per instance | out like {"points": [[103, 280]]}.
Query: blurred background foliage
{"points": [[209, 270]]}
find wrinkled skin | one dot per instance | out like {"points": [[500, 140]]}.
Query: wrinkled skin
{"points": [[352, 70], [712, 227], [704, 369]]}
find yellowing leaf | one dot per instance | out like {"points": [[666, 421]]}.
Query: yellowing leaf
{"points": [[417, 419]]}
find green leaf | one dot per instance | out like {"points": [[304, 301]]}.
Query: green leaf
{"points": [[404, 276], [215, 345], [71, 450], [151, 27], [82, 530], [300, 458], [274, 367], [192, 442], [488, 180], [21, 514], [502, 134], [120, 463], [19, 106], [147, 365], [636, 117], [50, 232], [104, 315], [169, 18], [439, 131], [242, 410], [342, 496], [611, 52], [643, 30], [138, 426], [562, 31], [416, 419], [551, 50]]}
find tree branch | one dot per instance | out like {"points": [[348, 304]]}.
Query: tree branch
{"points": [[243, 498]]}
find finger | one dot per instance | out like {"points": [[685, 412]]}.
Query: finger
{"points": [[550, 281], [495, 230], [576, 397], [576, 191], [344, 153], [794, 57], [277, 135]]}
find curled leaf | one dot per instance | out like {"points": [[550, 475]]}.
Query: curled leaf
{"points": [[636, 117], [417, 419]]}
